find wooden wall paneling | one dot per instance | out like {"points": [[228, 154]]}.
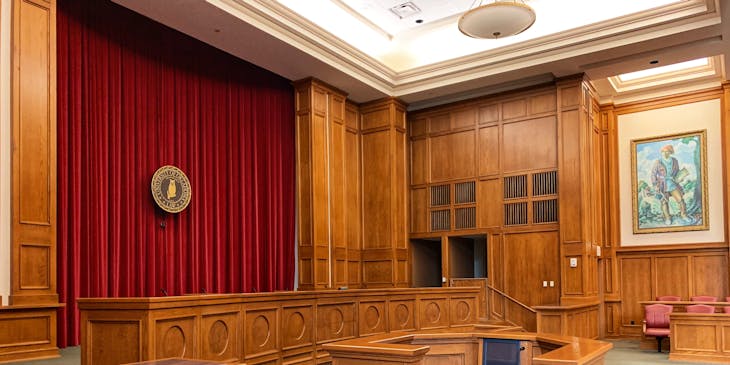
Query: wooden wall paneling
{"points": [[419, 161], [529, 144], [377, 218], [709, 274], [28, 325], [672, 276], [725, 119], [577, 172], [496, 275], [33, 75], [636, 274], [419, 210], [325, 185], [353, 195], [304, 187], [337, 189], [27, 333], [488, 154], [385, 194], [489, 214], [530, 259]]}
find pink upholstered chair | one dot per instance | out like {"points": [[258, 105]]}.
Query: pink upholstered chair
{"points": [[656, 322], [727, 310], [700, 308], [727, 299], [703, 298], [668, 298]]}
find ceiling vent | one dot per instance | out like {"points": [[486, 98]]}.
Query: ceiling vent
{"points": [[405, 10]]}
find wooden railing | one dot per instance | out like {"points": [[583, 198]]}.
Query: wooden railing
{"points": [[271, 328], [504, 307]]}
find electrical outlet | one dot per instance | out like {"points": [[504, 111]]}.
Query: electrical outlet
{"points": [[573, 262], [552, 284], [443, 279], [544, 284]]}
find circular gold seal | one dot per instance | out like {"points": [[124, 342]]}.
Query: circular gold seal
{"points": [[171, 189]]}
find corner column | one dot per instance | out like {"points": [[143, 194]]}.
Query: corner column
{"points": [[385, 233]]}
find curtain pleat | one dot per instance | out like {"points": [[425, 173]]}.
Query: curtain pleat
{"points": [[134, 95]]}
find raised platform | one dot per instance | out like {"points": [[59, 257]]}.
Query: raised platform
{"points": [[264, 328]]}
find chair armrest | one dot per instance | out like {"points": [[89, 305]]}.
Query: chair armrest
{"points": [[643, 326]]}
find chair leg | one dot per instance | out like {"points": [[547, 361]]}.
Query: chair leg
{"points": [[659, 344]]}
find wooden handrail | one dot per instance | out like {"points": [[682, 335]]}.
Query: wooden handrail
{"points": [[513, 300]]}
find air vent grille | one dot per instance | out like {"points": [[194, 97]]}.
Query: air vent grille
{"points": [[515, 186], [515, 214], [440, 195], [465, 218], [440, 220], [405, 10], [465, 192], [545, 183], [545, 211]]}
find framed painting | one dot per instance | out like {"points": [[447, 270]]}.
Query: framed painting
{"points": [[669, 183]]}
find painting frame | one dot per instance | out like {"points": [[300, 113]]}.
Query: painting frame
{"points": [[660, 205]]}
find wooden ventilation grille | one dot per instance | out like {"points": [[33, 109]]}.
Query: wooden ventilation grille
{"points": [[465, 218], [440, 220], [515, 214], [545, 211], [515, 186], [440, 195], [545, 183], [465, 193]]}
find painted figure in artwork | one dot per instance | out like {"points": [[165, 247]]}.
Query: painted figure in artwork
{"points": [[666, 178]]}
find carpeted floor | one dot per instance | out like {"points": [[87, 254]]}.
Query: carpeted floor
{"points": [[623, 353]]}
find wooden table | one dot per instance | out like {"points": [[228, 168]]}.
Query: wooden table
{"points": [[700, 337], [464, 346]]}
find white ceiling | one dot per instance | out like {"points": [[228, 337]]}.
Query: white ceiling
{"points": [[584, 36]]}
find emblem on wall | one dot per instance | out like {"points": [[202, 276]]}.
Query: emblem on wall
{"points": [[171, 189]]}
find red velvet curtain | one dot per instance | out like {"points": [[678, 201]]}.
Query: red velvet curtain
{"points": [[134, 95]]}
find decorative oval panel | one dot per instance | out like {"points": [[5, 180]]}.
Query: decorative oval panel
{"points": [[173, 343], [261, 331], [218, 338], [297, 327]]}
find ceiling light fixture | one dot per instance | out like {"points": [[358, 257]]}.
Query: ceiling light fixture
{"points": [[498, 19]]}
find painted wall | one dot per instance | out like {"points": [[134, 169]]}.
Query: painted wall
{"points": [[666, 121], [5, 138]]}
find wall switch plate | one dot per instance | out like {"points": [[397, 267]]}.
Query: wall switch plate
{"points": [[598, 251], [552, 284], [573, 262], [544, 284], [443, 279]]}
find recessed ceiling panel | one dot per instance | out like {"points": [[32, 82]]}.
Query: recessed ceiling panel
{"points": [[402, 43]]}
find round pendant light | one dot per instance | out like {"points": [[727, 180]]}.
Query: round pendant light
{"points": [[498, 19]]}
